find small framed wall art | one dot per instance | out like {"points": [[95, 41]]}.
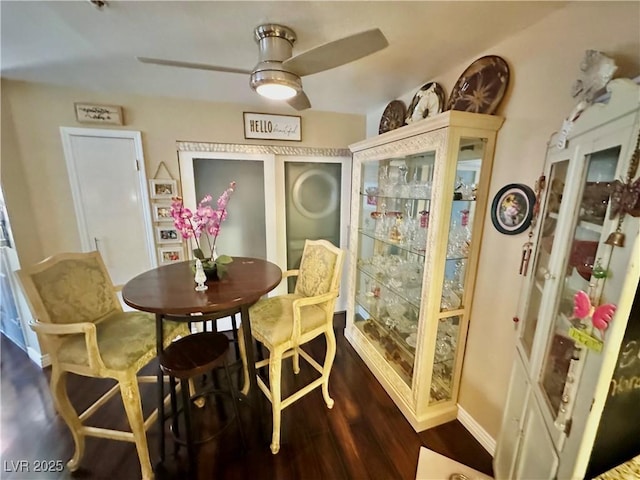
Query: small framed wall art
{"points": [[167, 234], [91, 113], [163, 189], [512, 208], [272, 127], [170, 254], [162, 212]]}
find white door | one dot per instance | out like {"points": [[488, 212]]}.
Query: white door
{"points": [[109, 186], [316, 192]]}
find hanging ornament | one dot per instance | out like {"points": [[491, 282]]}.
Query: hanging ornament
{"points": [[625, 198], [600, 317]]}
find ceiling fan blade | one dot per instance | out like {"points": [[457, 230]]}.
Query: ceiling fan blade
{"points": [[300, 101], [336, 53], [196, 66]]}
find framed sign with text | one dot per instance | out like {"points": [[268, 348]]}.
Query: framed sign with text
{"points": [[272, 127], [91, 113]]}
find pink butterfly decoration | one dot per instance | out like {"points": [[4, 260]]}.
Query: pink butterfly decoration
{"points": [[600, 316]]}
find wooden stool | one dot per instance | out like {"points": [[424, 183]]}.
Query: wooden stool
{"points": [[188, 357]]}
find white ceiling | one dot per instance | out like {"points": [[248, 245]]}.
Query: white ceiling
{"points": [[73, 43]]}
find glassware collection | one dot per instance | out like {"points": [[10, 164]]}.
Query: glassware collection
{"points": [[393, 240]]}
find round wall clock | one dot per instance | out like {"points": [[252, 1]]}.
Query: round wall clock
{"points": [[392, 117]]}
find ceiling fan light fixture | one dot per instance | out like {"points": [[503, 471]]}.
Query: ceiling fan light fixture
{"points": [[276, 91], [276, 84]]}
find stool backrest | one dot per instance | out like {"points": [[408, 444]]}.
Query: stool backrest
{"points": [[70, 288], [320, 268]]}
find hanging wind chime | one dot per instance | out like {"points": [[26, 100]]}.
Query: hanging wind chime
{"points": [[527, 248]]}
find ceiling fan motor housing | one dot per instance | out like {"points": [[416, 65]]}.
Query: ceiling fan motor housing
{"points": [[275, 44]]}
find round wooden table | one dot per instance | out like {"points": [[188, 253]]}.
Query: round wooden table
{"points": [[170, 289], [169, 292]]}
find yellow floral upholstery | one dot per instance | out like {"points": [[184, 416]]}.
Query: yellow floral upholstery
{"points": [[124, 338], [316, 271], [75, 290], [80, 324], [272, 319], [285, 322]]}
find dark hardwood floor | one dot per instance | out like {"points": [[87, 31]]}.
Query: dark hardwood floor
{"points": [[364, 436]]}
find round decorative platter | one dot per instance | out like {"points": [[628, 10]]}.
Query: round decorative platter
{"points": [[392, 117], [427, 102], [481, 86]]}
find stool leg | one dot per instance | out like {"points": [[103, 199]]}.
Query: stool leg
{"points": [[186, 407], [234, 402], [215, 383], [174, 414], [161, 413]]}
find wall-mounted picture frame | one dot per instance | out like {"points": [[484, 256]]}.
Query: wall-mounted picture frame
{"points": [[162, 212], [162, 188], [512, 208], [167, 234], [272, 127], [93, 113], [170, 254]]}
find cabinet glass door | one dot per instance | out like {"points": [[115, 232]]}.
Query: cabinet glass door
{"points": [[564, 358], [395, 199], [453, 298], [540, 271]]}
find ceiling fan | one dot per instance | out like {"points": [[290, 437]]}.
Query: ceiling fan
{"points": [[277, 74]]}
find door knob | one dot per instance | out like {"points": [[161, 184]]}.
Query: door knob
{"points": [[546, 274]]}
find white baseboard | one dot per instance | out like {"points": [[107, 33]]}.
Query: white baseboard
{"points": [[479, 433], [38, 358]]}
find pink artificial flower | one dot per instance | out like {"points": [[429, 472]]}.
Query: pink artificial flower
{"points": [[205, 219]]}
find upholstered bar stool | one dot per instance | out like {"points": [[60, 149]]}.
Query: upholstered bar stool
{"points": [[189, 357]]}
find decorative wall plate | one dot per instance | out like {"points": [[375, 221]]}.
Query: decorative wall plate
{"points": [[481, 86], [512, 208], [427, 102], [392, 117]]}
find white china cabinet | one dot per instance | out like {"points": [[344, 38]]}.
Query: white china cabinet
{"points": [[418, 207], [570, 376]]}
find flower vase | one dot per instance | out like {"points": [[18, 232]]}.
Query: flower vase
{"points": [[210, 269]]}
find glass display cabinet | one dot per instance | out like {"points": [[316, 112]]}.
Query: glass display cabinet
{"points": [[576, 301], [418, 206]]}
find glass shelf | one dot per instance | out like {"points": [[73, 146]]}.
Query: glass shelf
{"points": [[393, 197], [399, 355], [403, 246], [378, 279]]}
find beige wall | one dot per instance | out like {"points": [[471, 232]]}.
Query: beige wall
{"points": [[34, 173], [544, 62]]}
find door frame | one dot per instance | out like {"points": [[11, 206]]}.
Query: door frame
{"points": [[277, 154], [85, 241]]}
